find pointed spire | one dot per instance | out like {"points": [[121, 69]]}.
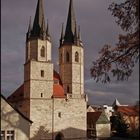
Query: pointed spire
{"points": [[29, 30], [70, 27], [62, 35], [39, 28], [75, 35], [79, 34], [47, 31], [79, 37], [116, 103]]}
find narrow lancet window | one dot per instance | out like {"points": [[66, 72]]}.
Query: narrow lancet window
{"points": [[67, 57], [42, 51], [68, 89], [76, 57]]}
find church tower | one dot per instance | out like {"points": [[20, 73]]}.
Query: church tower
{"points": [[38, 73], [71, 57], [55, 102]]}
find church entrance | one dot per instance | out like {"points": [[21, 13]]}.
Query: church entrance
{"points": [[59, 136]]}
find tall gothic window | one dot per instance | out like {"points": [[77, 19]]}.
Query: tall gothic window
{"points": [[67, 57], [76, 57], [42, 51]]}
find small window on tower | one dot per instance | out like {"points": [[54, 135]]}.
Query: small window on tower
{"points": [[42, 73], [67, 57], [68, 89], [41, 95], [42, 51], [61, 58], [76, 57], [59, 114]]}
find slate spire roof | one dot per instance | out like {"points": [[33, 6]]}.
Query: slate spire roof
{"points": [[116, 103], [39, 27], [71, 35]]}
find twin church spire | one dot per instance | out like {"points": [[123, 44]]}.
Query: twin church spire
{"points": [[71, 36], [39, 29]]}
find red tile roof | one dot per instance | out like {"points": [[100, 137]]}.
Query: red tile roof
{"points": [[58, 91], [92, 117], [128, 110], [17, 95], [56, 76]]}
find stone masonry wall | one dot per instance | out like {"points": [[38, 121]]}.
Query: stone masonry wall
{"points": [[51, 116]]}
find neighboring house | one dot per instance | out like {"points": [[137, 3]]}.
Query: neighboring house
{"points": [[108, 111], [98, 125], [131, 116], [14, 125], [90, 109]]}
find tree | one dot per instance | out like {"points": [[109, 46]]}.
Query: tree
{"points": [[119, 125], [121, 59]]}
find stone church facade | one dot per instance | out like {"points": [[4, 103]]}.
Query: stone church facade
{"points": [[55, 102]]}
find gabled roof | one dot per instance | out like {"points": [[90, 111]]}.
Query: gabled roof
{"points": [[17, 95], [90, 109], [102, 119], [16, 109], [97, 118]]}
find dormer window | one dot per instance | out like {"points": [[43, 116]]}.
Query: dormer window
{"points": [[42, 51]]}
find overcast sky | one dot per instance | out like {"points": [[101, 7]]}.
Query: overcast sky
{"points": [[98, 27]]}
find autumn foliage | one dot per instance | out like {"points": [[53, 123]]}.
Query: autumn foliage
{"points": [[120, 60]]}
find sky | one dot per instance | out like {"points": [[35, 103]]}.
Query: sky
{"points": [[98, 28]]}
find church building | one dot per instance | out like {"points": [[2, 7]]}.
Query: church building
{"points": [[54, 101]]}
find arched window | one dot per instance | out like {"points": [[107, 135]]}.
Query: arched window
{"points": [[42, 51], [67, 57], [59, 136], [76, 57]]}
